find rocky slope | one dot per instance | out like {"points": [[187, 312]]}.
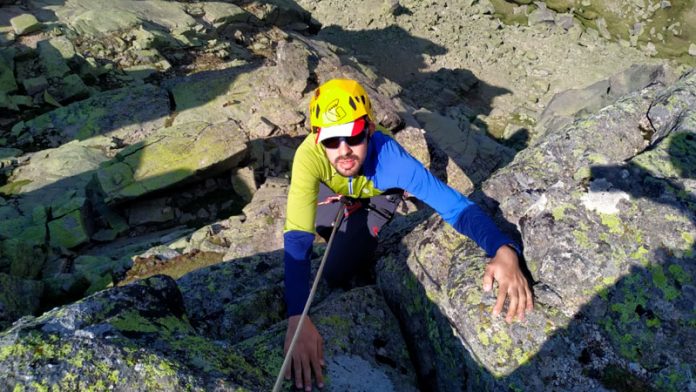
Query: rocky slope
{"points": [[155, 137]]}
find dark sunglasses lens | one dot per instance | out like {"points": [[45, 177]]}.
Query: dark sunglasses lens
{"points": [[332, 142], [357, 139]]}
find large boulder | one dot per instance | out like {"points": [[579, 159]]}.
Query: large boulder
{"points": [[362, 338], [363, 348], [49, 206], [139, 337], [170, 156], [608, 230], [132, 338], [129, 114], [568, 105], [25, 24], [96, 18], [216, 96], [469, 148], [51, 189], [622, 222]]}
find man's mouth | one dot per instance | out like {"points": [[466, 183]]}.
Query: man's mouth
{"points": [[346, 164]]}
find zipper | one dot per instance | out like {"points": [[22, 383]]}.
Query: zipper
{"points": [[350, 185]]}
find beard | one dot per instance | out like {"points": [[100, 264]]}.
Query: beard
{"points": [[347, 166]]}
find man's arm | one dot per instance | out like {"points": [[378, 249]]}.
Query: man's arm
{"points": [[298, 248], [396, 168], [307, 356]]}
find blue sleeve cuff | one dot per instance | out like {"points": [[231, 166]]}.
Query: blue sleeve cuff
{"points": [[475, 224], [298, 248]]}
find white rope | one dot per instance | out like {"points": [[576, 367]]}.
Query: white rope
{"points": [[288, 356]]}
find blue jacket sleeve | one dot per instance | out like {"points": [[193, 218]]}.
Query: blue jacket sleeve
{"points": [[475, 224], [298, 248], [396, 168]]}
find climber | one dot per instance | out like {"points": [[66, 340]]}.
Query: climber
{"points": [[347, 153]]}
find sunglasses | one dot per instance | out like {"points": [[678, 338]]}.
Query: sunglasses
{"points": [[334, 142]]}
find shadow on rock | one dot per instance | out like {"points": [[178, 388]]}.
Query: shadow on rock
{"points": [[62, 211]]}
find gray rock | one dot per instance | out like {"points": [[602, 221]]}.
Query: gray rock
{"points": [[122, 337], [221, 14], [151, 211], [361, 340], [170, 156], [602, 27], [25, 24], [54, 183], [244, 183], [18, 297], [620, 246], [636, 77], [35, 85], [129, 114], [6, 102], [150, 38], [141, 71], [8, 84], [161, 252], [265, 217], [70, 230], [51, 57], [281, 13], [566, 21], [472, 152], [437, 354], [100, 17], [541, 15], [70, 88], [22, 101], [292, 68], [26, 254], [670, 108], [131, 338], [568, 105], [7, 153], [215, 97]]}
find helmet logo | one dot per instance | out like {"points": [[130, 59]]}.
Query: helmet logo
{"points": [[334, 112]]}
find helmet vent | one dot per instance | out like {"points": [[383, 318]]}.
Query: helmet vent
{"points": [[352, 103], [317, 111], [362, 98]]}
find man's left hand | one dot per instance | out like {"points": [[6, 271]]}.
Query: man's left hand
{"points": [[505, 269]]}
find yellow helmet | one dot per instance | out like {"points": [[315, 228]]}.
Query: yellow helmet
{"points": [[338, 101]]}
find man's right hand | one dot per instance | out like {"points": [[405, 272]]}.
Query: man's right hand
{"points": [[308, 354]]}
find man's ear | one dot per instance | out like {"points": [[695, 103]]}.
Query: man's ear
{"points": [[371, 127]]}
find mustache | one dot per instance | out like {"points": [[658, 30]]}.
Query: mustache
{"points": [[346, 158]]}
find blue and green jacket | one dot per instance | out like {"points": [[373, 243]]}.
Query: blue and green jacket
{"points": [[387, 165]]}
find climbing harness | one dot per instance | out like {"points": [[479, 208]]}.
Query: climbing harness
{"points": [[342, 212]]}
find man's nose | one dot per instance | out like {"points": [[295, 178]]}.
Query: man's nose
{"points": [[344, 149]]}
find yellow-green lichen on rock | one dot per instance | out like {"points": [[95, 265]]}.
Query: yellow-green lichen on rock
{"points": [[170, 156]]}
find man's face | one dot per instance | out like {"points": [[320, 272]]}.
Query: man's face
{"points": [[347, 158]]}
